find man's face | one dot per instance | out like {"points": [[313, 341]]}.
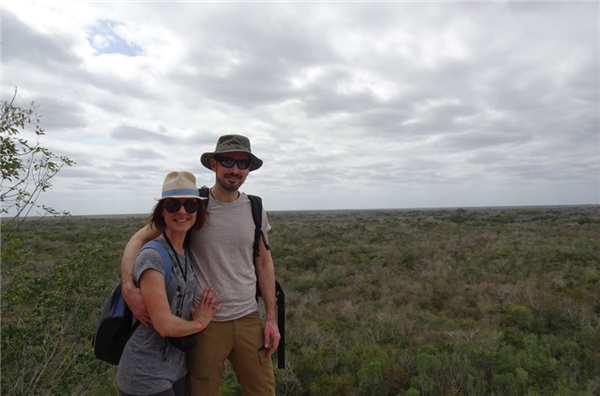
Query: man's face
{"points": [[231, 179]]}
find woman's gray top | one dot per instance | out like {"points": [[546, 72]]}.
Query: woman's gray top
{"points": [[150, 363]]}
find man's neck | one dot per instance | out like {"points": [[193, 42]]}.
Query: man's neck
{"points": [[220, 194]]}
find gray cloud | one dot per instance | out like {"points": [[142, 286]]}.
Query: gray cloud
{"points": [[144, 154], [24, 45], [128, 132], [422, 104], [60, 113]]}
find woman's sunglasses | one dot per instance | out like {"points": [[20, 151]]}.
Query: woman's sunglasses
{"points": [[190, 205], [227, 162]]}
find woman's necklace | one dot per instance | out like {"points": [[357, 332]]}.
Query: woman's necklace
{"points": [[177, 257]]}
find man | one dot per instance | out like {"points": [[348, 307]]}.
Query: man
{"points": [[223, 254]]}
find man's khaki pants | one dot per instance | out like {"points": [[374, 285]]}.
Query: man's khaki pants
{"points": [[240, 341]]}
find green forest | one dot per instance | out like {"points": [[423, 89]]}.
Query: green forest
{"points": [[495, 301]]}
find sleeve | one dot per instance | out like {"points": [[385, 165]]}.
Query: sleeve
{"points": [[147, 259]]}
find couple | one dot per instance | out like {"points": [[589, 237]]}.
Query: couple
{"points": [[220, 258]]}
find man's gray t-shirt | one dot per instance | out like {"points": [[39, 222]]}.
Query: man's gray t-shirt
{"points": [[150, 363], [223, 253]]}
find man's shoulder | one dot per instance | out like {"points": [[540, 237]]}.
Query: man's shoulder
{"points": [[255, 201], [247, 198], [245, 202]]}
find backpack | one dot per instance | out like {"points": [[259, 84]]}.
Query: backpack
{"points": [[115, 325], [256, 204]]}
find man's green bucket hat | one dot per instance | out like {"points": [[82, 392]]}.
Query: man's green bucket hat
{"points": [[230, 144]]}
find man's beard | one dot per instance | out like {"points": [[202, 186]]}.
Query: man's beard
{"points": [[227, 186]]}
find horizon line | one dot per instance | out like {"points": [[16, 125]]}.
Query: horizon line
{"points": [[483, 207]]}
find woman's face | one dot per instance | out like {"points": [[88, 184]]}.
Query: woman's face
{"points": [[180, 220]]}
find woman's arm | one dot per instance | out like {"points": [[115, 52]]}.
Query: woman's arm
{"points": [[152, 284]]}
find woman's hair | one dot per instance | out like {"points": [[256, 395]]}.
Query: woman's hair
{"points": [[157, 220]]}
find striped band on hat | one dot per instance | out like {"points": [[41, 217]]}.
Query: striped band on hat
{"points": [[181, 191]]}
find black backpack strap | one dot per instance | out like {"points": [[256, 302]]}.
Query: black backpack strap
{"points": [[256, 203], [204, 192], [280, 298]]}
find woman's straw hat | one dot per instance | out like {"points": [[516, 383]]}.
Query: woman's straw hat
{"points": [[180, 184]]}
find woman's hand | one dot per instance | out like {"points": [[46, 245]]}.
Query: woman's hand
{"points": [[206, 310]]}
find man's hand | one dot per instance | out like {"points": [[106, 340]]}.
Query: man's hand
{"points": [[135, 302], [272, 336]]}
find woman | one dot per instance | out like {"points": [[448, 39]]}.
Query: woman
{"points": [[151, 363]]}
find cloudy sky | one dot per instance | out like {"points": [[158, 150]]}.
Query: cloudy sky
{"points": [[351, 105]]}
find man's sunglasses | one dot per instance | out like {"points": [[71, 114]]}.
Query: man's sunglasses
{"points": [[190, 205], [227, 162]]}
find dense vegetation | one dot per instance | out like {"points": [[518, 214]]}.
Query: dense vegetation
{"points": [[429, 302]]}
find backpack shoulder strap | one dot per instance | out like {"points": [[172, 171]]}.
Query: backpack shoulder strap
{"points": [[164, 255], [204, 192], [256, 203], [257, 208]]}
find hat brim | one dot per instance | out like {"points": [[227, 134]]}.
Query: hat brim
{"points": [[181, 196], [255, 162]]}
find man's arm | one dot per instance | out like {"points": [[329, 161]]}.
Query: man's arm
{"points": [[131, 294], [265, 271]]}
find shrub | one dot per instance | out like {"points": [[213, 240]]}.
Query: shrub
{"points": [[372, 380], [48, 321]]}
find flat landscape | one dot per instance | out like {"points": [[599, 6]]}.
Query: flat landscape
{"points": [[473, 301]]}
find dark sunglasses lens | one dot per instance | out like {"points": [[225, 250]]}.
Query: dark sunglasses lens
{"points": [[191, 205], [243, 164], [172, 205], [227, 162]]}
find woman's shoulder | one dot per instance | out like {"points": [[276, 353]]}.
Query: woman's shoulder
{"points": [[150, 257], [147, 259], [150, 248]]}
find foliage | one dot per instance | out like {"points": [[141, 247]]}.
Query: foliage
{"points": [[12, 249], [27, 167], [48, 319], [442, 302], [46, 327], [430, 302]]}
